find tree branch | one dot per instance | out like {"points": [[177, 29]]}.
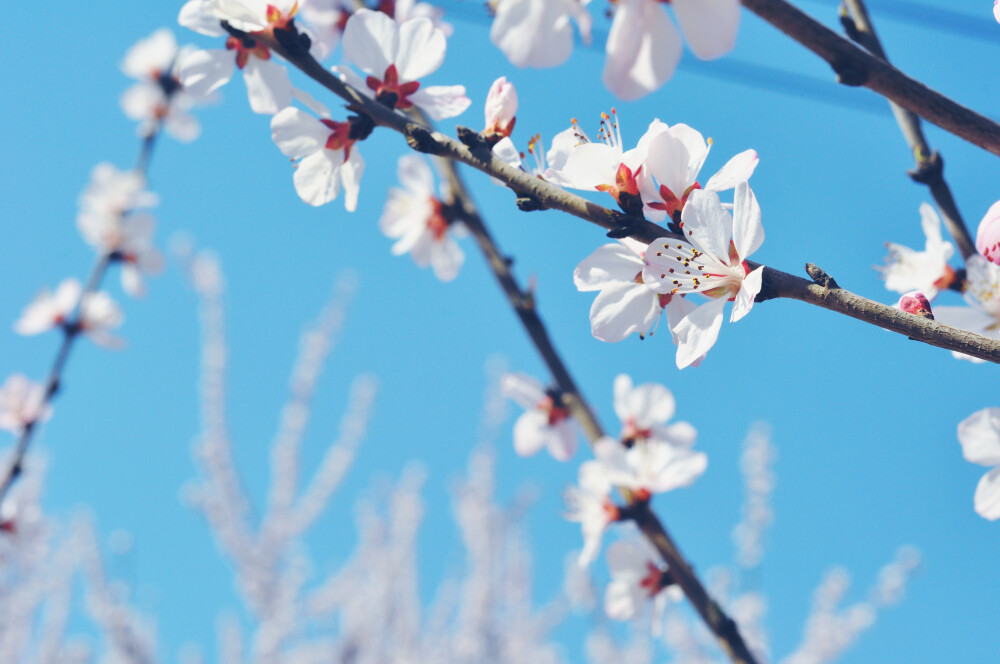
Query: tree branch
{"points": [[854, 66], [930, 166]]}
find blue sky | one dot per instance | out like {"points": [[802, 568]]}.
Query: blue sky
{"points": [[864, 419]]}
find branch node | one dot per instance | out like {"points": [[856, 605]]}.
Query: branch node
{"points": [[421, 139], [819, 275], [471, 138], [528, 203], [849, 73], [929, 169]]}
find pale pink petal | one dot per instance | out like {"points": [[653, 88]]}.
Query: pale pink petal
{"points": [[421, 49], [738, 169], [315, 178], [622, 309], [531, 432], [562, 441], [609, 264], [643, 49], [446, 257], [298, 134], [442, 101], [707, 225], [200, 16], [371, 40], [350, 176], [987, 499], [268, 87], [182, 125], [533, 33], [622, 388], [674, 467], [590, 165], [748, 233], [748, 291], [414, 174], [979, 435], [523, 389], [678, 434], [697, 332], [203, 72], [710, 26]]}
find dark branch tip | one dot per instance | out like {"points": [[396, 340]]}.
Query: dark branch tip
{"points": [[849, 73], [928, 170], [528, 203], [820, 277], [471, 138]]}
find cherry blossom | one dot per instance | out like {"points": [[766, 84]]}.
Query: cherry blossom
{"points": [[916, 303], [591, 506], [650, 466], [606, 166], [268, 87], [625, 303], [675, 158], [326, 155], [538, 33], [927, 270], [416, 218], [636, 578], [979, 435], [711, 260], [112, 193], [982, 292], [158, 96], [988, 235], [97, 313], [644, 411], [643, 46], [22, 402], [394, 57], [996, 10], [326, 19], [547, 165], [501, 108], [545, 422]]}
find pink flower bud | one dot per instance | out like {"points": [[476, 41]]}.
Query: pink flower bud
{"points": [[916, 303], [988, 236], [501, 106]]}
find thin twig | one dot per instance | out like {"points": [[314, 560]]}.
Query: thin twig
{"points": [[71, 331], [854, 66], [930, 166], [776, 283], [523, 303]]}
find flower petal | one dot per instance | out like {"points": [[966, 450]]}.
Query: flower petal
{"points": [[710, 26], [748, 291], [987, 499], [697, 332], [748, 233], [371, 40], [643, 49], [316, 178], [609, 264], [621, 309], [268, 87], [421, 49], [738, 169], [979, 435], [442, 101]]}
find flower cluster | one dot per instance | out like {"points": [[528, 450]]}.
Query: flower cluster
{"points": [[643, 46]]}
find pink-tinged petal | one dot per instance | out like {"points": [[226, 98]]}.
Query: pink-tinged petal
{"points": [[141, 100], [506, 151], [316, 180], [697, 149], [623, 309], [738, 169], [674, 467], [132, 280], [710, 26], [643, 49], [676, 310], [931, 224], [622, 388], [200, 16], [748, 233], [371, 41], [523, 389], [298, 134], [421, 49], [646, 404], [609, 264], [748, 291], [996, 10], [441, 101], [414, 174], [697, 332], [182, 125], [203, 72], [563, 144], [243, 15], [987, 499], [531, 432], [562, 441], [707, 225], [268, 87], [979, 435], [678, 434], [446, 258], [591, 165], [350, 177], [532, 33]]}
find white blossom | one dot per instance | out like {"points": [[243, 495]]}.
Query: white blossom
{"points": [[928, 270], [22, 402], [544, 424], [979, 435], [538, 33]]}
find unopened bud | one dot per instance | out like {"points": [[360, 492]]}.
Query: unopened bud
{"points": [[988, 236], [501, 106], [916, 303]]}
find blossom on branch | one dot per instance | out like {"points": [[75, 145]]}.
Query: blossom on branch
{"points": [[711, 260], [501, 108], [636, 579], [22, 402], [591, 506], [326, 155], [916, 303], [545, 422], [548, 165], [649, 467], [982, 292], [538, 33], [395, 57], [268, 87], [928, 270], [420, 222], [97, 313], [643, 46], [644, 411], [158, 96], [327, 18], [988, 235], [979, 435]]}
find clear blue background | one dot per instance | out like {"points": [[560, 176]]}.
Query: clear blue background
{"points": [[864, 419]]}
